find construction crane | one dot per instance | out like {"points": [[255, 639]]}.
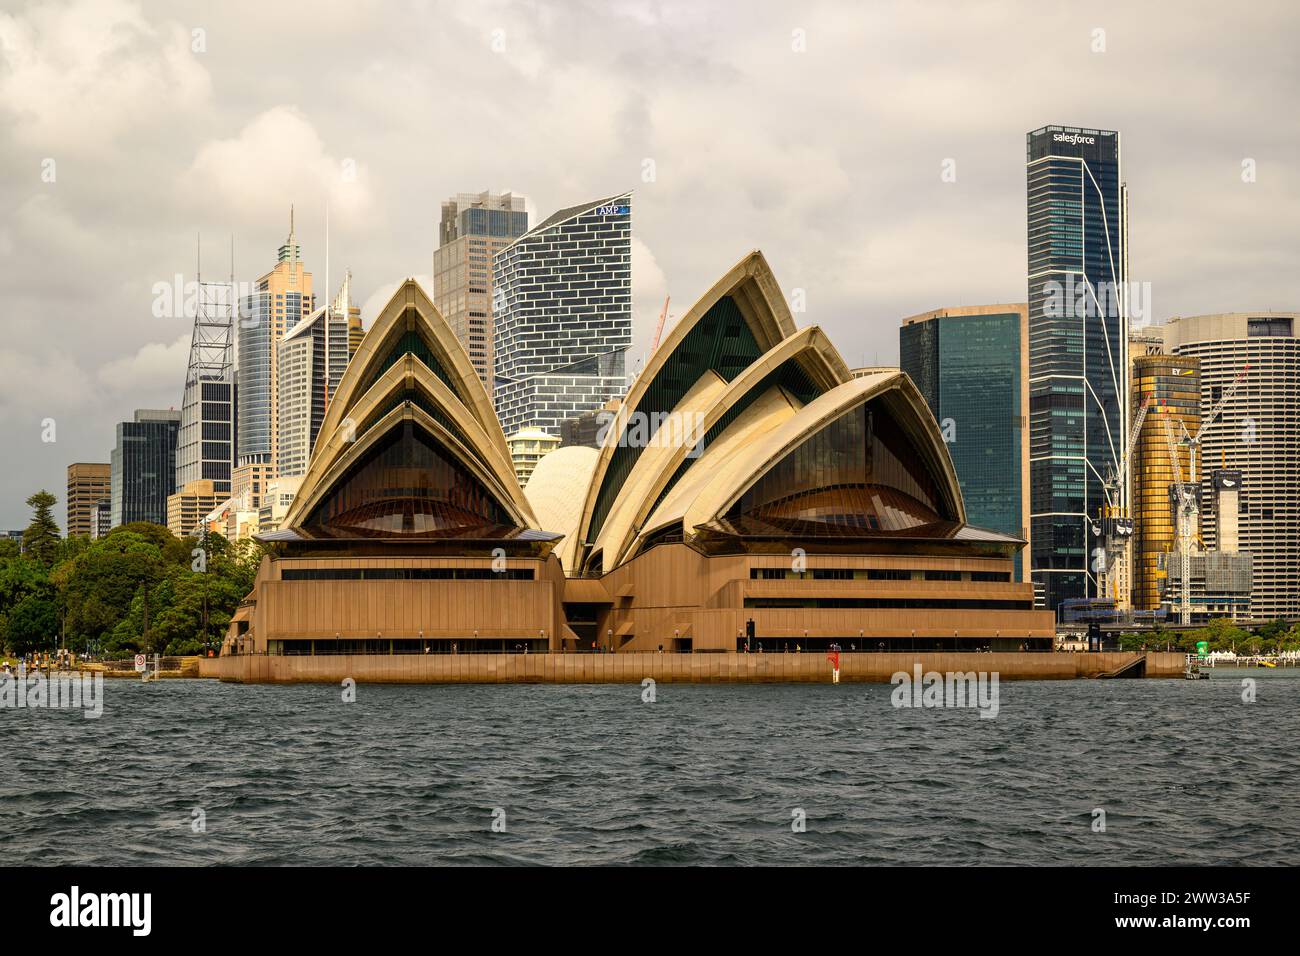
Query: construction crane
{"points": [[1116, 526], [659, 329], [1186, 496]]}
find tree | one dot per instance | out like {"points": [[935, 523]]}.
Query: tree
{"points": [[32, 624], [101, 583], [41, 539]]}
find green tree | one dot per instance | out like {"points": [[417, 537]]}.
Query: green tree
{"points": [[100, 585], [41, 539], [32, 624]]}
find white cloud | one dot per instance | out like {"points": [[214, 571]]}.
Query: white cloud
{"points": [[155, 367], [78, 74], [379, 298], [277, 157]]}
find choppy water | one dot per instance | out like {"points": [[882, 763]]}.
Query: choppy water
{"points": [[707, 774]]}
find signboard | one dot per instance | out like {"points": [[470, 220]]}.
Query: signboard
{"points": [[140, 663], [612, 210]]}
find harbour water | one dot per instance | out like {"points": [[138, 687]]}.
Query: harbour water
{"points": [[1186, 772]]}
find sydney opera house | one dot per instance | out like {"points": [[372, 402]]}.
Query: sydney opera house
{"points": [[750, 493]]}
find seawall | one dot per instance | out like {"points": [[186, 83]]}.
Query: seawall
{"points": [[574, 668]]}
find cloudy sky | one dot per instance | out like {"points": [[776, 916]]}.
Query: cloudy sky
{"points": [[817, 132]]}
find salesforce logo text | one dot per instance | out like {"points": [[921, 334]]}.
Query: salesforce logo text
{"points": [[1074, 139], [103, 909]]}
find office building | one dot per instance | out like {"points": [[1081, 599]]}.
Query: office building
{"points": [[248, 484], [562, 309], [1258, 435], [143, 467], [189, 507], [283, 298], [971, 364], [279, 496], [311, 358], [205, 445], [588, 428], [101, 518], [1078, 348], [474, 228], [1172, 385], [88, 484]]}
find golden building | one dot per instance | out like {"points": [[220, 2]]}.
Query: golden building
{"points": [[89, 483], [1173, 385], [749, 492]]}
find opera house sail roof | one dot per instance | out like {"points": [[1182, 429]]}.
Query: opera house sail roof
{"points": [[743, 429], [410, 449], [748, 480]]}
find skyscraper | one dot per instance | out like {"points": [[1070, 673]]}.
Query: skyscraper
{"points": [[1078, 348], [205, 447], [474, 228], [1173, 385], [307, 379], [143, 466], [1258, 435], [972, 366], [562, 309], [88, 484], [283, 299]]}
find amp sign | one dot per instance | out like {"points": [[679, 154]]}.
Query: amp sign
{"points": [[612, 210]]}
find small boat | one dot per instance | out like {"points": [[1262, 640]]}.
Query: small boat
{"points": [[1266, 664]]}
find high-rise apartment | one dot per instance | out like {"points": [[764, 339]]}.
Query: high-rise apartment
{"points": [[88, 484], [311, 359], [562, 310], [1258, 435], [527, 447], [283, 299], [1078, 349], [143, 466], [972, 366], [474, 228]]}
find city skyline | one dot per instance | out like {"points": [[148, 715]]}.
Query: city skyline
{"points": [[738, 126]]}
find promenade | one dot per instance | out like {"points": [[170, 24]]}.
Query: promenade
{"points": [[588, 668]]}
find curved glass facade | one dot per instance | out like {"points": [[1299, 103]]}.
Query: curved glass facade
{"points": [[408, 485], [859, 474]]}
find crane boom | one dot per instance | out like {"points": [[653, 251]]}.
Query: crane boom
{"points": [[1219, 406], [1134, 430], [659, 329], [1172, 442]]}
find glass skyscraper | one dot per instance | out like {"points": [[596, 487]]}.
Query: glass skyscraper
{"points": [[971, 365], [1078, 348], [142, 469], [562, 308]]}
